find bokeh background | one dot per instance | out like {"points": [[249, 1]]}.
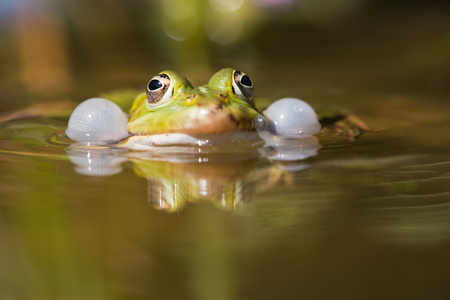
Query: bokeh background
{"points": [[74, 49]]}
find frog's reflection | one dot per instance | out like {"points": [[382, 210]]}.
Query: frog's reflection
{"points": [[182, 175], [171, 185]]}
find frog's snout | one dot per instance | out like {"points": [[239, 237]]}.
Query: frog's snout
{"points": [[206, 114], [221, 99]]}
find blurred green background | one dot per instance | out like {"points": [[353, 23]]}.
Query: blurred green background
{"points": [[74, 49]]}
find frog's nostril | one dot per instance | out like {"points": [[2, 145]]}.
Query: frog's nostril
{"points": [[224, 98], [190, 100]]}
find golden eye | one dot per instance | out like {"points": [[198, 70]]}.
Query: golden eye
{"points": [[159, 89]]}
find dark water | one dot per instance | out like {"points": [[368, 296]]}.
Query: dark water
{"points": [[368, 219]]}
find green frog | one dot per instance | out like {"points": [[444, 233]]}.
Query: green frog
{"points": [[171, 110]]}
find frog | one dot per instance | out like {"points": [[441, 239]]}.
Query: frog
{"points": [[172, 110], [171, 105]]}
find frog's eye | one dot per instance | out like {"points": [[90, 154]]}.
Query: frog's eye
{"points": [[159, 89], [242, 85]]}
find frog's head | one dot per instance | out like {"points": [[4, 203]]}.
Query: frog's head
{"points": [[172, 104]]}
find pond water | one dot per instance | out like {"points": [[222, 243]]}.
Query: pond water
{"points": [[363, 219]]}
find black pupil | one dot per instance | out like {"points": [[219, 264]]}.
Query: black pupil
{"points": [[154, 84], [245, 80]]}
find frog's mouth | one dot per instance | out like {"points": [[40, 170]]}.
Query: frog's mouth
{"points": [[212, 117], [234, 141]]}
